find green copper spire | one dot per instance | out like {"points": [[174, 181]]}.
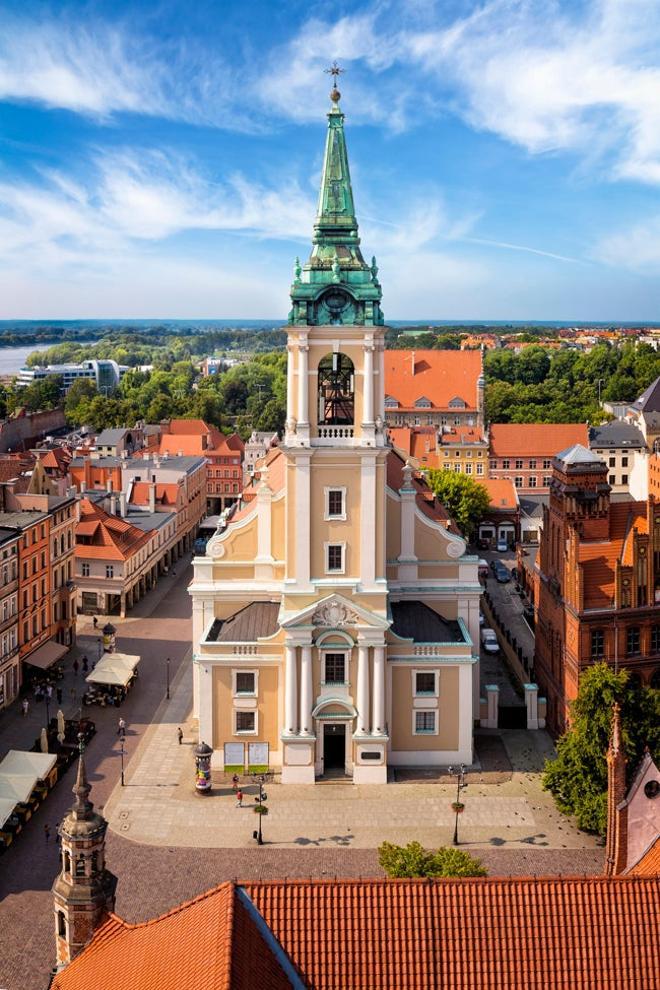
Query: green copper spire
{"points": [[336, 286]]}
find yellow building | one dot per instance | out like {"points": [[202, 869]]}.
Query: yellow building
{"points": [[336, 616]]}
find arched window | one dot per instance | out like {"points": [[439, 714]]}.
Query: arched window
{"points": [[336, 390], [67, 862], [80, 866], [61, 924]]}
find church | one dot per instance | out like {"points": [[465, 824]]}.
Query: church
{"points": [[336, 609]]}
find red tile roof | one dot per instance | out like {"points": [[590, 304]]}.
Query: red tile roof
{"points": [[425, 499], [649, 864], [502, 492], [209, 943], [187, 427], [535, 439], [166, 494], [112, 538], [552, 933], [598, 558], [438, 376]]}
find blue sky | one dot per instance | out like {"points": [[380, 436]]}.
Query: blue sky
{"points": [[162, 159]]}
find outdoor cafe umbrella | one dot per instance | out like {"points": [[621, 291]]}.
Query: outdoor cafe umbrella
{"points": [[44, 741], [61, 728]]}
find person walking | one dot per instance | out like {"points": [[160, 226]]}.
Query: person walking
{"points": [[25, 705], [47, 833], [239, 798], [49, 692], [95, 622], [58, 693], [179, 733], [234, 782], [76, 665], [121, 728], [85, 664]]}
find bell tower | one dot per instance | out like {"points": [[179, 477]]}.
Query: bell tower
{"points": [[84, 891]]}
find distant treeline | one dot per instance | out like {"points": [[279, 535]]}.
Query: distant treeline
{"points": [[201, 340]]}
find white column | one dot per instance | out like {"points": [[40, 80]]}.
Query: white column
{"points": [[368, 520], [303, 384], [368, 379], [290, 691], [289, 382], [378, 721], [363, 689], [306, 691]]}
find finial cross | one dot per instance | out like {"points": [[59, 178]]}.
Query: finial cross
{"points": [[334, 71]]}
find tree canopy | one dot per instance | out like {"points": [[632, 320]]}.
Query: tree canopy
{"points": [[577, 778], [415, 861], [465, 499]]}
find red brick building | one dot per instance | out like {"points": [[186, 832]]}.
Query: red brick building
{"points": [[597, 582], [224, 455], [523, 452]]}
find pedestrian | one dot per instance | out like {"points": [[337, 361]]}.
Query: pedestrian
{"points": [[25, 706], [47, 832], [85, 665], [121, 728], [179, 733], [239, 798], [95, 622], [75, 666], [234, 782], [58, 693], [49, 692]]}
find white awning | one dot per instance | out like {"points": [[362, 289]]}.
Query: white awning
{"points": [[17, 789], [114, 669], [19, 762], [47, 655], [6, 808]]}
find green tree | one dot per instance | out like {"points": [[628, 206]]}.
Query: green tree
{"points": [[465, 500], [577, 778], [76, 402], [415, 861]]}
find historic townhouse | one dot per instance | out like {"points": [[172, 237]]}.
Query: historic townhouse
{"points": [[523, 452], [10, 673], [335, 617], [444, 389]]}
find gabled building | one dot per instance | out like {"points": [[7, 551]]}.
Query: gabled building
{"points": [[523, 452], [444, 389], [335, 617], [224, 457], [598, 582]]}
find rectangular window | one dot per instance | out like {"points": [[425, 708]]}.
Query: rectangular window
{"points": [[518, 481], [480, 469], [335, 668], [506, 463], [612, 462], [334, 506], [468, 469], [493, 464], [547, 464], [85, 569], [425, 682], [518, 465], [624, 462], [546, 480], [457, 468], [457, 453], [245, 682], [632, 641], [532, 464], [109, 570], [532, 481], [597, 644], [245, 722], [335, 557], [624, 479], [655, 639], [425, 722], [612, 479]]}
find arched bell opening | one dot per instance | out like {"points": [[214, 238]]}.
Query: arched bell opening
{"points": [[336, 390]]}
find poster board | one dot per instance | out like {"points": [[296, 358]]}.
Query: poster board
{"points": [[234, 757], [258, 757]]}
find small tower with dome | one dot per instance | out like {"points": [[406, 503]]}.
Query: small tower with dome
{"points": [[84, 890]]}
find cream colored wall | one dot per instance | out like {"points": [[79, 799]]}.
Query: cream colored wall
{"points": [[326, 474], [393, 528], [267, 706], [429, 544], [290, 509], [277, 529], [402, 737], [381, 516]]}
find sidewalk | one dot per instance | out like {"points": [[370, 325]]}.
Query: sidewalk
{"points": [[159, 806]]}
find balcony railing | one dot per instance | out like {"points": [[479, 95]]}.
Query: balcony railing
{"points": [[331, 434]]}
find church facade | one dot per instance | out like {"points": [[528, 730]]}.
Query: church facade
{"points": [[336, 614]]}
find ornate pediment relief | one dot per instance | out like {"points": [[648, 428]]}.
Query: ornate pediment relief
{"points": [[335, 614]]}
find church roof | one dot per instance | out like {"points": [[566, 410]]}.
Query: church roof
{"points": [[414, 620], [591, 933], [247, 625], [578, 454], [649, 400]]}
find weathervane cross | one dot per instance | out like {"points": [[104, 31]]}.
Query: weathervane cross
{"points": [[334, 71]]}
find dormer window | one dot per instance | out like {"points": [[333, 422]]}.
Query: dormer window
{"points": [[457, 403], [391, 402], [423, 403]]}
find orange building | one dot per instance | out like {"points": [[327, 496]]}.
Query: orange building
{"points": [[434, 388], [224, 454], [523, 452]]}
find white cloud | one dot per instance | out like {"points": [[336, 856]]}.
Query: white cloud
{"points": [[636, 249]]}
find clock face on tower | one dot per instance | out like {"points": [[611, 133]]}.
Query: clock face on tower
{"points": [[336, 307]]}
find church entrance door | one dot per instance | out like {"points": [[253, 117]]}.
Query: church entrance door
{"points": [[334, 747]]}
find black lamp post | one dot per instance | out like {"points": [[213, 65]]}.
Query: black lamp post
{"points": [[260, 808], [167, 668], [457, 806], [121, 753], [47, 700]]}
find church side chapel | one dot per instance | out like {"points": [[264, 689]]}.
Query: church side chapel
{"points": [[336, 611]]}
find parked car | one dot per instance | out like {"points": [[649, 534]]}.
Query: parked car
{"points": [[502, 546], [482, 568], [502, 573], [489, 641], [494, 564]]}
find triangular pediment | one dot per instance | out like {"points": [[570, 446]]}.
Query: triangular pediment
{"points": [[335, 612]]}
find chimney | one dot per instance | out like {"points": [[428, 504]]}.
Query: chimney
{"points": [[83, 487], [108, 485], [157, 460], [152, 497], [165, 455], [412, 362], [122, 504], [113, 505], [145, 456], [179, 453]]}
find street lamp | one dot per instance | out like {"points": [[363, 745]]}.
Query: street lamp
{"points": [[167, 695], [457, 805], [260, 808], [121, 753]]}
